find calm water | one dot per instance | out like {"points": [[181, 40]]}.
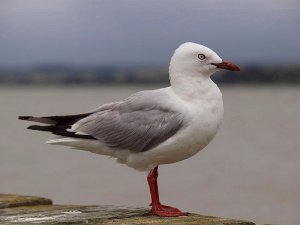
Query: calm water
{"points": [[251, 170]]}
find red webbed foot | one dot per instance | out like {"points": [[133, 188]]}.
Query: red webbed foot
{"points": [[168, 211]]}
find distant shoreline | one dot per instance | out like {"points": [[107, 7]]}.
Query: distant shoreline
{"points": [[46, 75]]}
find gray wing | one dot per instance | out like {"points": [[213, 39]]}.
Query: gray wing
{"points": [[138, 124]]}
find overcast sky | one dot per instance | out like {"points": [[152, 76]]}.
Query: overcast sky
{"points": [[138, 31]]}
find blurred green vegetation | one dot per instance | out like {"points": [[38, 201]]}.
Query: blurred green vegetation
{"points": [[57, 74]]}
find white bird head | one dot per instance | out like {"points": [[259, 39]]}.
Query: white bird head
{"points": [[194, 60]]}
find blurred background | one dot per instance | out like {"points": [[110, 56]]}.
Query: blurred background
{"points": [[69, 56]]}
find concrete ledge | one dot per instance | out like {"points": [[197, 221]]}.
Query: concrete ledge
{"points": [[10, 200], [96, 215]]}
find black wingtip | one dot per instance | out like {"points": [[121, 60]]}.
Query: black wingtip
{"points": [[40, 128], [32, 127], [60, 131], [24, 117]]}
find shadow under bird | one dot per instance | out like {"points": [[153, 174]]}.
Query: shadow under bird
{"points": [[152, 127]]}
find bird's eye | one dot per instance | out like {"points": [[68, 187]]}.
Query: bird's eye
{"points": [[201, 56]]}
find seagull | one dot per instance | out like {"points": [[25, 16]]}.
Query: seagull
{"points": [[152, 127]]}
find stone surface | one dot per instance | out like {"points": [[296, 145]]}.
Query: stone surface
{"points": [[10, 200], [99, 215]]}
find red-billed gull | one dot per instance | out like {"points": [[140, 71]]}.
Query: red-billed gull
{"points": [[152, 127]]}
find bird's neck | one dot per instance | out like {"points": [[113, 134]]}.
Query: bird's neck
{"points": [[192, 87]]}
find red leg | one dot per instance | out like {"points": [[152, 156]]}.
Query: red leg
{"points": [[156, 207]]}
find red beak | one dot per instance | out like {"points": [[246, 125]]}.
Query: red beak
{"points": [[227, 66]]}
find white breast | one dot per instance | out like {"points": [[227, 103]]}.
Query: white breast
{"points": [[206, 118]]}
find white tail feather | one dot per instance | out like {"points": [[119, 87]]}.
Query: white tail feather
{"points": [[62, 141]]}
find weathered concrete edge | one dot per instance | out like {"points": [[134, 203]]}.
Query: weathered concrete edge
{"points": [[12, 200], [97, 215], [100, 215]]}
